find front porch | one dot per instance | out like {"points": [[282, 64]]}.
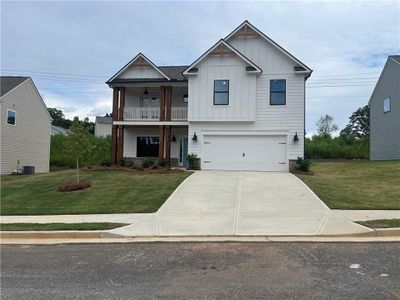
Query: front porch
{"points": [[150, 121], [168, 142]]}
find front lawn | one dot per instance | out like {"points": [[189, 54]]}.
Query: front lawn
{"points": [[59, 226], [356, 184], [384, 223], [111, 192]]}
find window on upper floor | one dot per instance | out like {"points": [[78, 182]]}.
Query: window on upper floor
{"points": [[386, 105], [11, 115], [221, 92], [277, 92]]}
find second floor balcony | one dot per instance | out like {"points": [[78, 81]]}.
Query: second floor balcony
{"points": [[153, 113]]}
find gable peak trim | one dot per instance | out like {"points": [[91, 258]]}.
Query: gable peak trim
{"points": [[141, 56], [221, 44]]}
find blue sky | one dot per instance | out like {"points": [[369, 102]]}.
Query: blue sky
{"points": [[71, 48]]}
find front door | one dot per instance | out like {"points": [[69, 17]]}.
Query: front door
{"points": [[183, 151]]}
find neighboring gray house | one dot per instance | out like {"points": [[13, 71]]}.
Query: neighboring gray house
{"points": [[103, 126], [55, 130], [385, 113], [25, 126]]}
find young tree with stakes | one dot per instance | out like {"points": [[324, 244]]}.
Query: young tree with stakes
{"points": [[77, 143]]}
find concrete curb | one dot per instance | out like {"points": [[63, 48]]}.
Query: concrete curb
{"points": [[98, 236]]}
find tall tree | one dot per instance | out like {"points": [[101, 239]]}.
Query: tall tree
{"points": [[58, 118], [358, 123], [77, 143], [325, 126]]}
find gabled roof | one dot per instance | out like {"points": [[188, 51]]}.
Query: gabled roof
{"points": [[140, 56], [8, 83], [396, 59], [219, 49], [242, 28]]}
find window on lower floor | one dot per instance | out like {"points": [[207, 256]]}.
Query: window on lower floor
{"points": [[277, 94], [386, 105], [11, 117], [147, 146]]}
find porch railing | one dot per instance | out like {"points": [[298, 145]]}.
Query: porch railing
{"points": [[179, 113], [153, 113], [142, 113]]}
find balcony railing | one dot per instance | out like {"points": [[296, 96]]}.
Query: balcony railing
{"points": [[179, 113], [153, 113]]}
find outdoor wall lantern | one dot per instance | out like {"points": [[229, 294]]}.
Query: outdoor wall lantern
{"points": [[146, 92], [173, 138], [194, 137], [295, 138]]}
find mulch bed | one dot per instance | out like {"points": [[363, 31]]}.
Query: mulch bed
{"points": [[310, 173], [74, 186], [127, 169]]}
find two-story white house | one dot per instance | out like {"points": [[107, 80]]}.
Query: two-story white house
{"points": [[239, 106]]}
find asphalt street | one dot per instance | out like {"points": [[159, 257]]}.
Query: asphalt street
{"points": [[202, 270]]}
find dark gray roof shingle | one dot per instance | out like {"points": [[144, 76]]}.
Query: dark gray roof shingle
{"points": [[7, 83], [174, 72], [395, 57], [104, 120]]}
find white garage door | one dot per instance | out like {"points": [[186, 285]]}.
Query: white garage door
{"points": [[244, 152]]}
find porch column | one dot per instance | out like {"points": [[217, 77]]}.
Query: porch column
{"points": [[121, 104], [161, 145], [168, 102], [114, 131], [162, 104], [168, 143], [120, 144]]}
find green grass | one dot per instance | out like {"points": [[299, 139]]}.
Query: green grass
{"points": [[356, 184], [111, 192], [59, 226], [384, 223]]}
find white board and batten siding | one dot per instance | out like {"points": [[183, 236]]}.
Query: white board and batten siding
{"points": [[254, 116], [242, 91], [29, 140]]}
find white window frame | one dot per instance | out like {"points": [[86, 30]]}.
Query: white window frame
{"points": [[15, 118], [384, 105]]}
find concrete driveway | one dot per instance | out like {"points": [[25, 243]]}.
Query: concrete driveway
{"points": [[224, 203]]}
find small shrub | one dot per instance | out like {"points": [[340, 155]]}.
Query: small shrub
{"points": [[155, 167], [122, 162], [193, 161], [74, 186], [163, 163], [129, 163], [303, 164], [105, 163], [148, 162]]}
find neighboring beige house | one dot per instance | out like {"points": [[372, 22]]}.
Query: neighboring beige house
{"points": [[25, 126], [103, 126], [384, 106], [239, 106]]}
